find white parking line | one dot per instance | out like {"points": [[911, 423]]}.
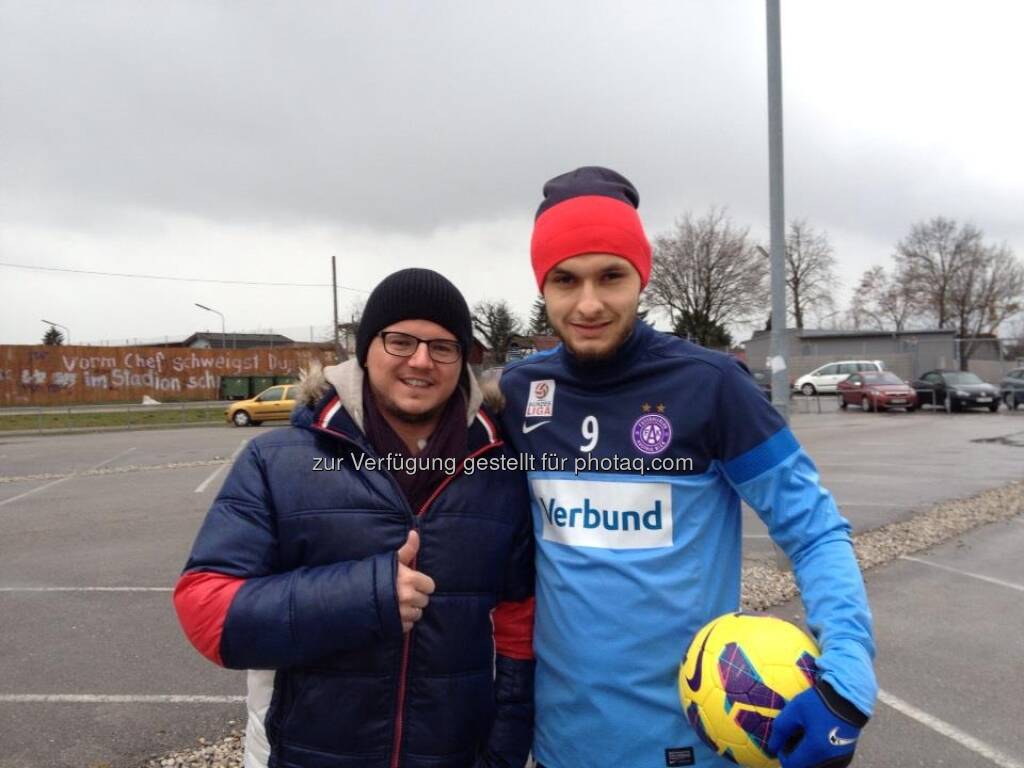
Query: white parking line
{"points": [[86, 589], [88, 698], [63, 479], [989, 579], [952, 732], [202, 486]]}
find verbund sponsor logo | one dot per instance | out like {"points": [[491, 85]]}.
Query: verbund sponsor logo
{"points": [[604, 514]]}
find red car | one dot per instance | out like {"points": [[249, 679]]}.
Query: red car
{"points": [[876, 391]]}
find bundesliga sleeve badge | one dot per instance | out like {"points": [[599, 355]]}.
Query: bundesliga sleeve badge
{"points": [[542, 399]]}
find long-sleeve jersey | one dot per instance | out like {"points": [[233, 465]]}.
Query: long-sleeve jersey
{"points": [[640, 463]]}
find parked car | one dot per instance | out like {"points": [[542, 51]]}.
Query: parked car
{"points": [[956, 390], [825, 378], [275, 402], [1012, 388], [876, 391]]}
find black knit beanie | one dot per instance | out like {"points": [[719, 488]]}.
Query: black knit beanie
{"points": [[414, 294]]}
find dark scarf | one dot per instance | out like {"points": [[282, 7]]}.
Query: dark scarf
{"points": [[450, 440]]}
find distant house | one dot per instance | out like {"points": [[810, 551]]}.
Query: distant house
{"points": [[212, 340], [207, 340], [524, 346], [478, 352]]}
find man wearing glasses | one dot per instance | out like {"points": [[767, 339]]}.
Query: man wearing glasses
{"points": [[380, 593]]}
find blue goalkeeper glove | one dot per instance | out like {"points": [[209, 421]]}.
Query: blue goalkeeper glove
{"points": [[816, 729]]}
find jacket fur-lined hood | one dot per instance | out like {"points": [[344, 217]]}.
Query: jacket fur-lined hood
{"points": [[494, 398], [347, 380]]}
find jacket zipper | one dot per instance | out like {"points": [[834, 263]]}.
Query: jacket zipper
{"points": [[407, 642]]}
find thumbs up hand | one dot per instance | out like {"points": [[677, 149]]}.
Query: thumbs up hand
{"points": [[413, 588]]}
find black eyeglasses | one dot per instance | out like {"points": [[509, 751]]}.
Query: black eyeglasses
{"points": [[405, 345]]}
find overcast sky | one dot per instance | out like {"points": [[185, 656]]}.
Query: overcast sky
{"points": [[252, 141]]}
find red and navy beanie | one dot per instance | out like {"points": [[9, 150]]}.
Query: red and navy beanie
{"points": [[589, 210]]}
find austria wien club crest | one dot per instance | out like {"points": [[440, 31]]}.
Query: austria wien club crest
{"points": [[652, 432]]}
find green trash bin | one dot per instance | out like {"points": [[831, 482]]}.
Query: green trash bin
{"points": [[259, 383], [234, 387]]}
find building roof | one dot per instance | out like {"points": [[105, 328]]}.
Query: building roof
{"points": [[235, 339], [825, 333]]}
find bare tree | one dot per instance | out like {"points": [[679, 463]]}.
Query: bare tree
{"points": [[882, 301], [348, 330], [959, 281], [496, 322], [930, 259], [707, 274], [986, 290], [810, 271]]}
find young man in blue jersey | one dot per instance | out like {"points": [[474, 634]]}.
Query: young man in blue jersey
{"points": [[644, 446]]}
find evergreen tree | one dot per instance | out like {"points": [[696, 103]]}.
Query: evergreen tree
{"points": [[53, 337], [539, 323], [702, 330]]}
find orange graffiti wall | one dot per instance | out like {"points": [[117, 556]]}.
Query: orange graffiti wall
{"points": [[63, 375]]}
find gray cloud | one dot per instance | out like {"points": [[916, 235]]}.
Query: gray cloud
{"points": [[409, 119]]}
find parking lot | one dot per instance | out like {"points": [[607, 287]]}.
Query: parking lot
{"points": [[94, 670]]}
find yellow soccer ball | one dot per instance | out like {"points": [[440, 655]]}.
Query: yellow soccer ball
{"points": [[738, 672]]}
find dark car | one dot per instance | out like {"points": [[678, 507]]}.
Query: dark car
{"points": [[1012, 387], [956, 390], [876, 391]]}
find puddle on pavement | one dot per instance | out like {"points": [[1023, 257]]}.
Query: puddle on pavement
{"points": [[1015, 439]]}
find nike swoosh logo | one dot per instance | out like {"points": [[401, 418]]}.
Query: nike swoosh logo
{"points": [[694, 682], [838, 741], [527, 429]]}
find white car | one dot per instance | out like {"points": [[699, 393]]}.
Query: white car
{"points": [[825, 378]]}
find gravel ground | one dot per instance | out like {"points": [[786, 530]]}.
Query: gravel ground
{"points": [[226, 753], [764, 585]]}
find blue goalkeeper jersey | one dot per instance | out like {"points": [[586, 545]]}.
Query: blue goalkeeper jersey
{"points": [[639, 465]]}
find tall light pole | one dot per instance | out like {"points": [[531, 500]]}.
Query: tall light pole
{"points": [[778, 354], [223, 335], [67, 332], [334, 296]]}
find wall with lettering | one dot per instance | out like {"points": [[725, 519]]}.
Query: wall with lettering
{"points": [[43, 375]]}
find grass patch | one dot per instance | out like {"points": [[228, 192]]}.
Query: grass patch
{"points": [[57, 419]]}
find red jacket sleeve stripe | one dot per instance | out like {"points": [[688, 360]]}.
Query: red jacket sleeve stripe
{"points": [[202, 600], [513, 629]]}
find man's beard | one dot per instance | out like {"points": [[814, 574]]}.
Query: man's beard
{"points": [[600, 356], [391, 408]]}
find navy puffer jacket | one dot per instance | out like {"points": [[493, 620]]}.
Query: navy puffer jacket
{"points": [[294, 571]]}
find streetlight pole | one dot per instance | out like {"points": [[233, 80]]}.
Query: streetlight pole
{"points": [[334, 296], [778, 354], [223, 334], [67, 331]]}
